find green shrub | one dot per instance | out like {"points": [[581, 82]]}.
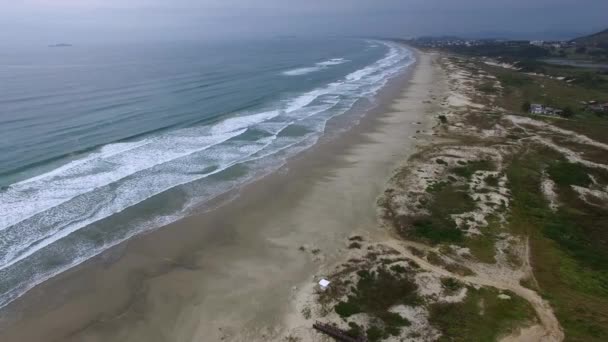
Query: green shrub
{"points": [[470, 168], [347, 309], [565, 173]]}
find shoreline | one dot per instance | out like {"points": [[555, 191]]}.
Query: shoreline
{"points": [[181, 281]]}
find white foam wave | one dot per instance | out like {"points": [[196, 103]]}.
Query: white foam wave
{"points": [[113, 163], [318, 67], [301, 71], [77, 179], [333, 61], [240, 122], [129, 193]]}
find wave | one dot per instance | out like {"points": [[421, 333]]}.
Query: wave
{"points": [[43, 211], [318, 67]]}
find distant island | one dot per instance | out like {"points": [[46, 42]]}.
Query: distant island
{"points": [[60, 45]]}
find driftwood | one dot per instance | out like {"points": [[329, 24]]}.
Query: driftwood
{"points": [[336, 333]]}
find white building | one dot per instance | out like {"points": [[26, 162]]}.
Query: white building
{"points": [[536, 108], [540, 109]]}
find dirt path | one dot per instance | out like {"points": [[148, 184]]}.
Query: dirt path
{"points": [[549, 330]]}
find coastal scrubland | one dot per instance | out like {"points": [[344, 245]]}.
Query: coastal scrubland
{"points": [[495, 230]]}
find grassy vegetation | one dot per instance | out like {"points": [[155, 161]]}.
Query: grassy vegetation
{"points": [[569, 251], [514, 79], [491, 180], [375, 293], [569, 247], [482, 246], [510, 52], [592, 126], [468, 169], [439, 227], [520, 88], [564, 173], [451, 285], [482, 316], [487, 88], [436, 187], [449, 198]]}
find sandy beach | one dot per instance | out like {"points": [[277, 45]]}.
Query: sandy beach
{"points": [[231, 274]]}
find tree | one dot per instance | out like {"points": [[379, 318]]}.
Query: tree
{"points": [[568, 112]]}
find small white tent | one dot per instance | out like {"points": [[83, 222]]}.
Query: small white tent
{"points": [[324, 283]]}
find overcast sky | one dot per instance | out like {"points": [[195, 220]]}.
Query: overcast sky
{"points": [[48, 21]]}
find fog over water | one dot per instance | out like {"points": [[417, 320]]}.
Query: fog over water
{"points": [[79, 21]]}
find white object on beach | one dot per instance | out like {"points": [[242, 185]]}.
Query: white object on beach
{"points": [[324, 283]]}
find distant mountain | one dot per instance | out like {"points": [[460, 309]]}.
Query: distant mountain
{"points": [[600, 38], [60, 45], [446, 37]]}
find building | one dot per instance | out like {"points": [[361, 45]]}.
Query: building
{"points": [[598, 107], [553, 111], [540, 109], [536, 108]]}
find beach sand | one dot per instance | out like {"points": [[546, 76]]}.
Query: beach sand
{"points": [[231, 273]]}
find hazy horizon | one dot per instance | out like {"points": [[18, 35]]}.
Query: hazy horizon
{"points": [[78, 21]]}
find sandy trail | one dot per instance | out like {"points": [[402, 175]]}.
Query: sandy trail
{"points": [[551, 329]]}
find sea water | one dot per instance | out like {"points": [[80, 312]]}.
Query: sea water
{"points": [[100, 143]]}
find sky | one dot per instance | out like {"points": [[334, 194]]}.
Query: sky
{"points": [[74, 21]]}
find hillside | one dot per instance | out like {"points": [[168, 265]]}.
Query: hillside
{"points": [[600, 38]]}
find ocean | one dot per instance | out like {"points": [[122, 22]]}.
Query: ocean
{"points": [[100, 143]]}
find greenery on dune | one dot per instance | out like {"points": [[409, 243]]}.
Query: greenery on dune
{"points": [[448, 198], [438, 226], [375, 293], [487, 88], [569, 251], [468, 170], [482, 247], [514, 79], [565, 173], [482, 316], [570, 246], [592, 126]]}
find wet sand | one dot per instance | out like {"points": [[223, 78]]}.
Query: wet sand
{"points": [[229, 274]]}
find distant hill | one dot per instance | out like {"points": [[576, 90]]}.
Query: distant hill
{"points": [[60, 45], [600, 38]]}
